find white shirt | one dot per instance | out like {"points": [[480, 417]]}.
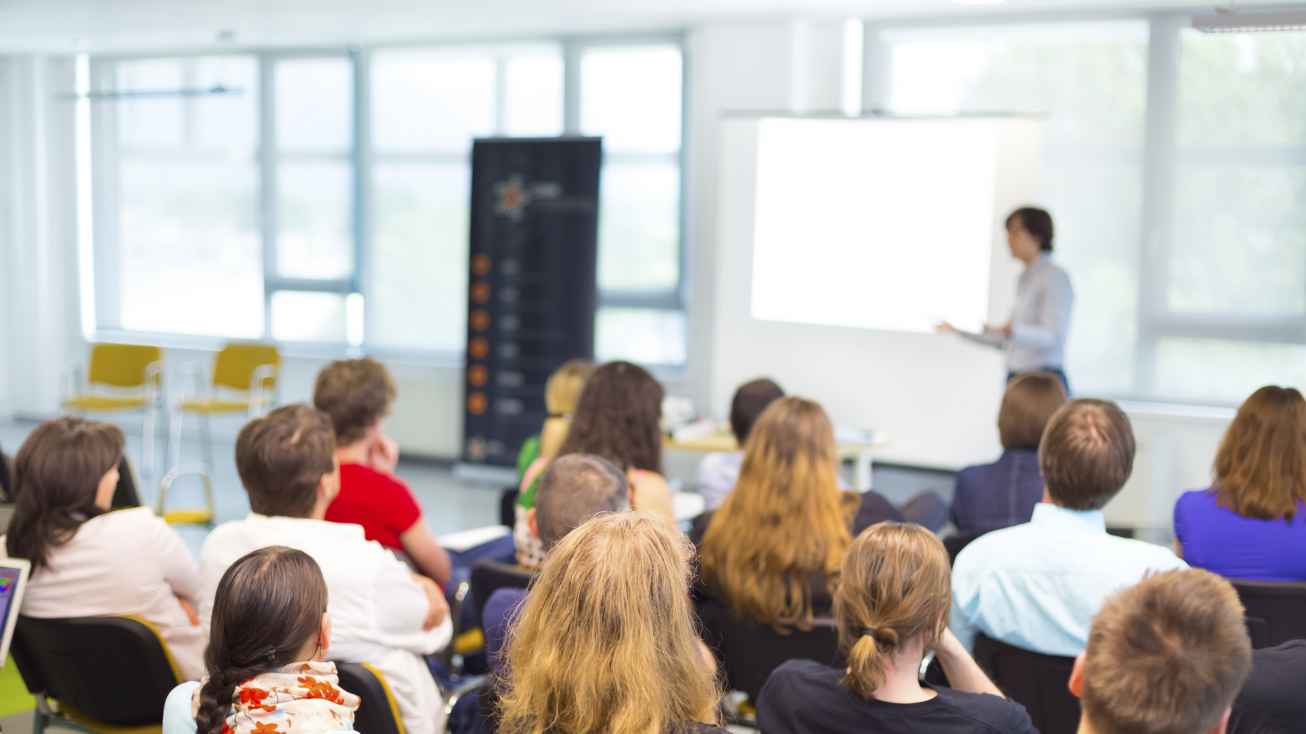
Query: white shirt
{"points": [[717, 475], [1040, 319], [1038, 586], [126, 562], [376, 607]]}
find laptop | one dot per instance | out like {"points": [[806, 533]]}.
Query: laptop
{"points": [[13, 579]]}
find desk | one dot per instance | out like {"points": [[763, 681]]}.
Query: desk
{"points": [[861, 453]]}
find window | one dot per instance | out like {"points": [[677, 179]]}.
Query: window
{"points": [[350, 227], [1174, 170]]}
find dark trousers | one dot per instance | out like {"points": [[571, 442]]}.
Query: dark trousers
{"points": [[1057, 372]]}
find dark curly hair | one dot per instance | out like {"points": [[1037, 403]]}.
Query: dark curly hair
{"points": [[268, 607], [619, 418]]}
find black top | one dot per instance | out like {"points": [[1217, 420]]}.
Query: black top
{"points": [[804, 697], [1271, 701], [694, 727]]}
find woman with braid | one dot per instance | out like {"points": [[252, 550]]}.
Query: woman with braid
{"points": [[891, 607], [267, 645]]}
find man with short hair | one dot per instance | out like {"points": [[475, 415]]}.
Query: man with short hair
{"points": [[1037, 585], [381, 613], [719, 470], [1166, 656]]}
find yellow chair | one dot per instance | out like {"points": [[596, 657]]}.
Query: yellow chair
{"points": [[122, 378], [243, 382]]}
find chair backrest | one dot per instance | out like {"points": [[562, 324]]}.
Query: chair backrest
{"points": [[1276, 612], [489, 576], [955, 544], [378, 713], [115, 670], [1036, 681], [235, 364], [121, 365], [750, 651]]}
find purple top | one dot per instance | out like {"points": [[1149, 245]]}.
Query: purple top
{"points": [[1218, 539]]}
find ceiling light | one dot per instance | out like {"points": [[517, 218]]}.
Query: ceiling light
{"points": [[1232, 21]]}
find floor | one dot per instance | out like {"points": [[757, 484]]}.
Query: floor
{"points": [[451, 503]]}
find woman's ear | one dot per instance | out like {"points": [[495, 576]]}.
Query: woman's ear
{"points": [[1076, 684], [324, 637], [533, 523]]}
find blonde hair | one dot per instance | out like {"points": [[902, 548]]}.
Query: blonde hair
{"points": [[896, 587], [561, 394], [606, 641], [785, 521], [1260, 471]]}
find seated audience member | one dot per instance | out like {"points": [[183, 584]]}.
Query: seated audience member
{"points": [[6, 489], [381, 612], [1004, 493], [572, 490], [1271, 701], [891, 608], [88, 561], [718, 472], [772, 550], [1037, 586], [561, 394], [1251, 523], [1166, 656], [267, 655], [607, 641], [356, 394]]}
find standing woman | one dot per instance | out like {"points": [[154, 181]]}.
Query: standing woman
{"points": [[1035, 337]]}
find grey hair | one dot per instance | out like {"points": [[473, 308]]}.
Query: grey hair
{"points": [[573, 489]]}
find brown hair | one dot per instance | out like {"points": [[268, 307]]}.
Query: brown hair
{"points": [[785, 522], [282, 458], [356, 393], [1027, 405], [1037, 222], [572, 490], [1260, 468], [750, 400], [619, 418], [896, 586], [56, 473], [561, 394], [1087, 453], [268, 607], [1166, 656], [607, 640]]}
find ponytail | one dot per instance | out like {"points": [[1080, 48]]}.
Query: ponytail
{"points": [[868, 658]]}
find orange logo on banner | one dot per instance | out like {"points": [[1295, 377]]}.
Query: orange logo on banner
{"points": [[481, 293], [480, 348], [481, 265], [476, 403], [480, 320], [478, 375]]}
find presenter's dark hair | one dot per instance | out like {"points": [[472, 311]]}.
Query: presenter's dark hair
{"points": [[1037, 222], [1087, 454], [750, 400]]}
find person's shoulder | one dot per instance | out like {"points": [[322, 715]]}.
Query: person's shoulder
{"points": [[697, 727], [992, 545], [139, 518], [502, 603], [1194, 499], [1151, 556], [803, 674], [356, 476], [995, 713], [179, 709]]}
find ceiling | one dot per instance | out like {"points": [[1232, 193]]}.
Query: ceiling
{"points": [[126, 25]]}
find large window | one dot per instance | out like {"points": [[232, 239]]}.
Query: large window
{"points": [[1174, 169], [323, 198]]}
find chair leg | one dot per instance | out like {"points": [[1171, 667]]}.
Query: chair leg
{"points": [[148, 456], [174, 439], [206, 437]]}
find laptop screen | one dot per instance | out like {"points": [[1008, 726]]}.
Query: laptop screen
{"points": [[13, 575]]}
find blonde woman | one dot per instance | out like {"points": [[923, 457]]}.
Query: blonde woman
{"points": [[606, 641], [561, 394], [771, 552], [891, 608]]}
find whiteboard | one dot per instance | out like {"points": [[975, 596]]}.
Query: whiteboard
{"points": [[883, 224]]}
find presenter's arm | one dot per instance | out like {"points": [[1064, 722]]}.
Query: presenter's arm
{"points": [[989, 337], [1053, 317]]}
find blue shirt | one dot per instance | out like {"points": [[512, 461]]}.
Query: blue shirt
{"points": [[998, 495], [497, 618], [1038, 585], [1220, 540], [1040, 319]]}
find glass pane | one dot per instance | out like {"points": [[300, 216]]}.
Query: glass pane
{"points": [[418, 265], [632, 96], [640, 335], [315, 104], [189, 259], [1240, 90], [533, 90], [639, 227], [227, 121], [1224, 371], [315, 219], [1239, 245], [150, 122], [423, 101], [312, 317]]}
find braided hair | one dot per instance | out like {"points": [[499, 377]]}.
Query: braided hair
{"points": [[267, 609]]}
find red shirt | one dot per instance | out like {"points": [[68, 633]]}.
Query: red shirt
{"points": [[382, 504]]}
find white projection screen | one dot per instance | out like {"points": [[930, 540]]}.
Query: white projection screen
{"points": [[883, 223]]}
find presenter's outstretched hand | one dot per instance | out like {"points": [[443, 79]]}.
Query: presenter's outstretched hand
{"points": [[945, 327]]}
